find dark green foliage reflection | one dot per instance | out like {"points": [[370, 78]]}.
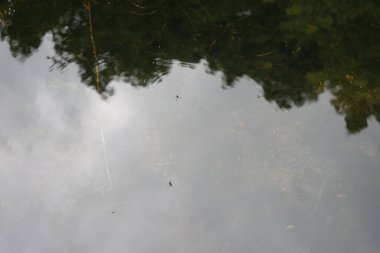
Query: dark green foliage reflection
{"points": [[294, 49]]}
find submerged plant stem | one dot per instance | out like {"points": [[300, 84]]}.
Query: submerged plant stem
{"points": [[318, 200], [87, 6], [105, 154], [3, 19]]}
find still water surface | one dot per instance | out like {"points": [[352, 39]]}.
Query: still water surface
{"points": [[210, 150]]}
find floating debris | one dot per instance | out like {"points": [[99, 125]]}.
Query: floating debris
{"points": [[264, 54]]}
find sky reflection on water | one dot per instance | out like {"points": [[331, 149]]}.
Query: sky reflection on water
{"points": [[246, 176]]}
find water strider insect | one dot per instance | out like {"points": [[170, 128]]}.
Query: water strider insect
{"points": [[170, 183]]}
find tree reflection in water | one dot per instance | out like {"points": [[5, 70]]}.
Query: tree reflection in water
{"points": [[295, 50]]}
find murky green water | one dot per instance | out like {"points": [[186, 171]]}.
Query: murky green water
{"points": [[189, 126]]}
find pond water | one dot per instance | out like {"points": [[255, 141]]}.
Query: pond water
{"points": [[166, 126]]}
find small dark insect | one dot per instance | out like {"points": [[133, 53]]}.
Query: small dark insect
{"points": [[177, 97], [170, 183], [113, 212], [258, 96]]}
